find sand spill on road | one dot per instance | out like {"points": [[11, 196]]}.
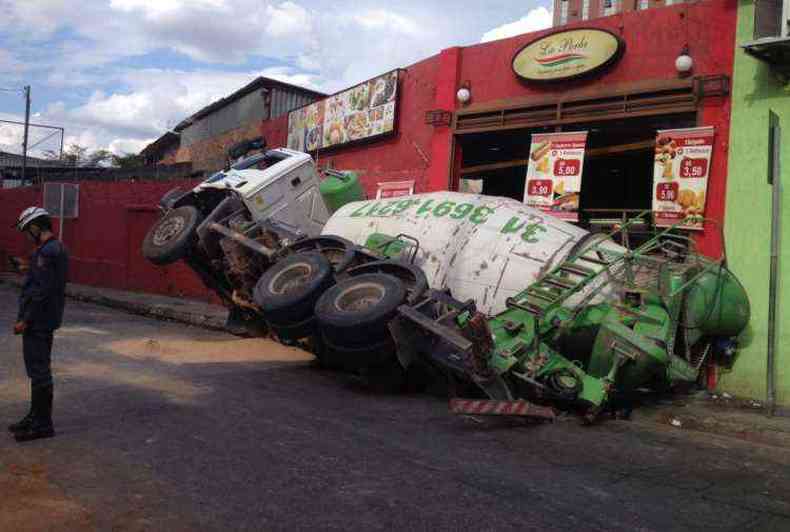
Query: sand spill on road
{"points": [[208, 351], [176, 389]]}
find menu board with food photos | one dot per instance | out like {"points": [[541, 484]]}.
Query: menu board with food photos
{"points": [[554, 173], [364, 111], [680, 176]]}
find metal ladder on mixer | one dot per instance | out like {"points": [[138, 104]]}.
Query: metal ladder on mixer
{"points": [[558, 285]]}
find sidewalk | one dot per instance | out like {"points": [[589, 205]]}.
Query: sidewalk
{"points": [[152, 305], [717, 413]]}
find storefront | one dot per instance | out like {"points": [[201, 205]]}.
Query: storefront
{"points": [[632, 88], [465, 118]]}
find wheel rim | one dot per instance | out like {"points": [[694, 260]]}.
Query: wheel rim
{"points": [[291, 278], [359, 297], [168, 229]]}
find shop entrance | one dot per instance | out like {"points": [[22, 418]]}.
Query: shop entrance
{"points": [[618, 166]]}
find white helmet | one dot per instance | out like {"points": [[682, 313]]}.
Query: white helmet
{"points": [[28, 215]]}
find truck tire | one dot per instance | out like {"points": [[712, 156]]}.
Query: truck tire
{"points": [[171, 238], [288, 291], [412, 277], [355, 312], [338, 251]]}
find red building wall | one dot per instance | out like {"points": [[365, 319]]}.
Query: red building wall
{"points": [[105, 241]]}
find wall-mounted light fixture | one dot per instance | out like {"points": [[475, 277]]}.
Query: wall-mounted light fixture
{"points": [[464, 93], [684, 64]]}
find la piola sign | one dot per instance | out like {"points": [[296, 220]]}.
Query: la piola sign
{"points": [[567, 54]]}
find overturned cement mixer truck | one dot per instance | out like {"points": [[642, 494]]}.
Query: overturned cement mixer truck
{"points": [[484, 293]]}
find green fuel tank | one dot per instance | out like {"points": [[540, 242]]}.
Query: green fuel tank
{"points": [[717, 304], [340, 188]]}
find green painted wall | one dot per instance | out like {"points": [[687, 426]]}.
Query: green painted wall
{"points": [[756, 90]]}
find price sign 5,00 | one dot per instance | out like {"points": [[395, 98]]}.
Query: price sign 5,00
{"points": [[567, 167]]}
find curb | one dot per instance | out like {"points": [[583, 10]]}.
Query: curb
{"points": [[741, 419], [156, 311]]}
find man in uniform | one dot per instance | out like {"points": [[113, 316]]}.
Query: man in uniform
{"points": [[40, 314]]}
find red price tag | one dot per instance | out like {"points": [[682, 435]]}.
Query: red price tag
{"points": [[693, 167], [667, 192], [540, 187], [567, 167]]}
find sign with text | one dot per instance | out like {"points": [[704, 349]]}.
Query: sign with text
{"points": [[680, 176], [567, 54], [554, 173], [364, 111], [395, 189]]}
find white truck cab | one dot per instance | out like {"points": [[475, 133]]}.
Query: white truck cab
{"points": [[279, 185]]}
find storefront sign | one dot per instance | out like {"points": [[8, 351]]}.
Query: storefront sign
{"points": [[364, 111], [680, 178], [567, 54], [554, 173], [395, 189]]}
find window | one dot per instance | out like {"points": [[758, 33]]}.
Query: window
{"points": [[771, 18], [585, 9], [563, 12], [644, 4], [610, 7], [673, 2]]}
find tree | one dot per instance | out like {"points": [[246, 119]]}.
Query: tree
{"points": [[100, 156], [74, 154], [127, 160]]}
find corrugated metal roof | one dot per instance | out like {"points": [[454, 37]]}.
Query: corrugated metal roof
{"points": [[258, 83]]}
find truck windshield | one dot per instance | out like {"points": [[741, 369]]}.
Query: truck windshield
{"points": [[260, 161]]}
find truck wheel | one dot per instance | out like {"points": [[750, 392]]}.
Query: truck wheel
{"points": [[337, 250], [171, 238], [412, 277], [356, 312], [287, 292]]}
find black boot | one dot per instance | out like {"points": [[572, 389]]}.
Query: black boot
{"points": [[41, 426], [25, 422]]}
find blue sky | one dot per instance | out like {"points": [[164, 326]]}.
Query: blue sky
{"points": [[118, 73]]}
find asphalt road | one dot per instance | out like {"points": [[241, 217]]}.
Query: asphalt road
{"points": [[165, 427]]}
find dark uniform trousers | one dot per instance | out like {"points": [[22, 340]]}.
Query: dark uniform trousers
{"points": [[37, 351]]}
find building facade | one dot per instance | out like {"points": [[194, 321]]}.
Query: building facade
{"points": [[759, 148]]}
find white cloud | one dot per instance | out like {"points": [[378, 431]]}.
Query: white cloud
{"points": [[381, 19], [157, 8], [539, 18], [124, 146], [288, 19]]}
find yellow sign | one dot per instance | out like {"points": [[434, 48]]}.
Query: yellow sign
{"points": [[567, 54]]}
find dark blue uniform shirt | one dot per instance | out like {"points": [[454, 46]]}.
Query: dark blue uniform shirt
{"points": [[43, 292]]}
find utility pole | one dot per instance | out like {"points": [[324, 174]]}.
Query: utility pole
{"points": [[27, 126]]}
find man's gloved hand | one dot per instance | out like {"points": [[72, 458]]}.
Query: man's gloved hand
{"points": [[19, 327]]}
